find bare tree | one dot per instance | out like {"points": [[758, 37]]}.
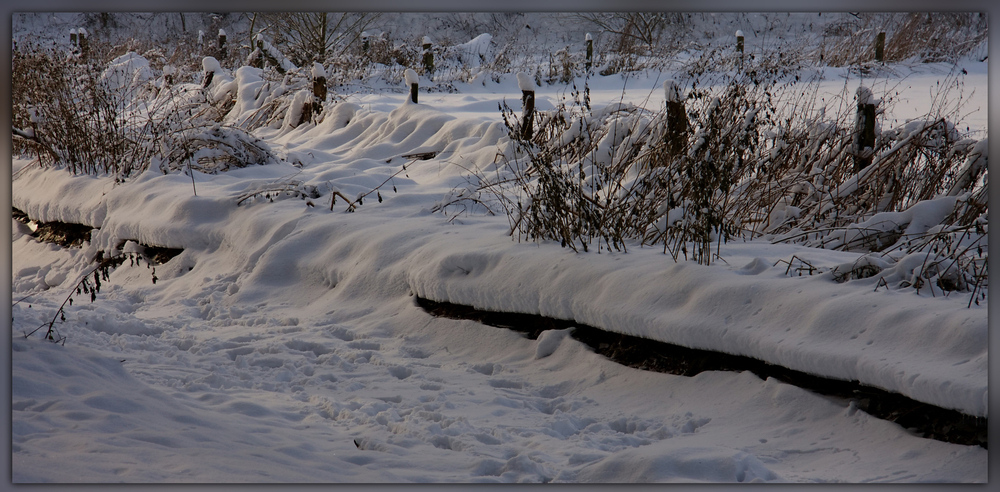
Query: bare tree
{"points": [[643, 28], [311, 36]]}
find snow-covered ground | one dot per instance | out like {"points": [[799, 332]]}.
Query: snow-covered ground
{"points": [[284, 343]]}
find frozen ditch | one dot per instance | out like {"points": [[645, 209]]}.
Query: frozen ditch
{"points": [[926, 420]]}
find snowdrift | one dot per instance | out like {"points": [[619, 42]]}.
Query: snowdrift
{"points": [[930, 349]]}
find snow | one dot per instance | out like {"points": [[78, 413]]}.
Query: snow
{"points": [[864, 95], [128, 70], [411, 77], [210, 64], [525, 83], [671, 91], [318, 70], [477, 50], [284, 344]]}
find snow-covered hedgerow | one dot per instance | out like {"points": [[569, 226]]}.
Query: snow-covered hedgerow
{"points": [[756, 160], [119, 118]]}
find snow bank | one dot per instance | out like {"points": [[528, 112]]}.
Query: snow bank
{"points": [[932, 350], [807, 324]]}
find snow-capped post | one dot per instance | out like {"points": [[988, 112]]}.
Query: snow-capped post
{"points": [[222, 43], [412, 83], [527, 87], [319, 88], [739, 41], [168, 74], [255, 59], [864, 139], [365, 45], [590, 51], [677, 123], [209, 65], [81, 36], [72, 38], [880, 47], [201, 39], [428, 57]]}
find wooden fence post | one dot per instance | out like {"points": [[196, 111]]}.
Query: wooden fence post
{"points": [[739, 41], [365, 45], [82, 39], [72, 38], [590, 51], [412, 81], [222, 43], [864, 139], [527, 87], [319, 88], [880, 47], [168, 74], [428, 57], [677, 123]]}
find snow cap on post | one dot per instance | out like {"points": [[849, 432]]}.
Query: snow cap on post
{"points": [[81, 31], [318, 71], [865, 96], [222, 32], [210, 64], [427, 40], [671, 91], [411, 77], [739, 33], [524, 82], [588, 38]]}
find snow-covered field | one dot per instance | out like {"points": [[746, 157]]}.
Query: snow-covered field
{"points": [[284, 343]]}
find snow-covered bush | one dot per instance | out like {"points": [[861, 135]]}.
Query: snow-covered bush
{"points": [[79, 114], [760, 160], [923, 37], [118, 118], [264, 97]]}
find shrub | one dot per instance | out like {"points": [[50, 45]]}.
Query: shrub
{"points": [[117, 118], [763, 159]]}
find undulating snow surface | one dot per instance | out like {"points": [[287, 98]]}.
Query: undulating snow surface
{"points": [[284, 344]]}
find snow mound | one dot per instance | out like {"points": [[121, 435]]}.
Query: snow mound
{"points": [[125, 72], [549, 341]]}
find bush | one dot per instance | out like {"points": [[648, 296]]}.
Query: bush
{"points": [[117, 118], [761, 158]]}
